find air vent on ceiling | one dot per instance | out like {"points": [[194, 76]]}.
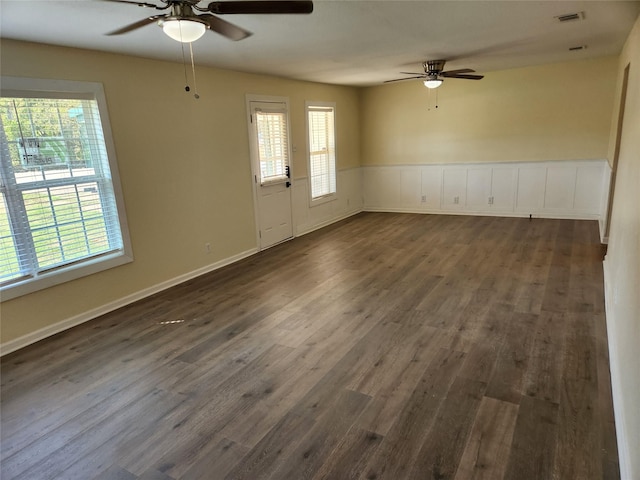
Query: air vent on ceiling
{"points": [[570, 17]]}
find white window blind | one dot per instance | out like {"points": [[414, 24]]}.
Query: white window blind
{"points": [[58, 207], [273, 148], [322, 151]]}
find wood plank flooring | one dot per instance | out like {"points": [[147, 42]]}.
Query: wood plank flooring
{"points": [[387, 346]]}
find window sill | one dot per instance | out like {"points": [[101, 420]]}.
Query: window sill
{"points": [[324, 199], [63, 275]]}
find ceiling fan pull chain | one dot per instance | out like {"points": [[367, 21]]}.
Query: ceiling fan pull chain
{"points": [[193, 71], [429, 99], [184, 64]]}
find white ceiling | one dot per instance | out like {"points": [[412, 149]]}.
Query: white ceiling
{"points": [[348, 42]]}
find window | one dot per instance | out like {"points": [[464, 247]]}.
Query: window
{"points": [[322, 150], [273, 147], [61, 214]]}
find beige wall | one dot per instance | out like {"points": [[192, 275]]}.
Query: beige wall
{"points": [[184, 167], [622, 265], [551, 112]]}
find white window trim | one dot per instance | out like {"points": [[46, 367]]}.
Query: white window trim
{"points": [[28, 86], [330, 197]]}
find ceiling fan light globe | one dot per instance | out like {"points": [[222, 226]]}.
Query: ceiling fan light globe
{"points": [[185, 31], [432, 83]]}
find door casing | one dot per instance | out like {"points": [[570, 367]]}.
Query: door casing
{"points": [[251, 101]]}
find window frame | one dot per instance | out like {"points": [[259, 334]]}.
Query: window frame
{"points": [[48, 88], [329, 197]]}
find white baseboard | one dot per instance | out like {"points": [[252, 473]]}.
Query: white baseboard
{"points": [[624, 457], [20, 342], [499, 213]]}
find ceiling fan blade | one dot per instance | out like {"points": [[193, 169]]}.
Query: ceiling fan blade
{"points": [[468, 77], [260, 6], [138, 24], [400, 79], [455, 72], [224, 28], [413, 73], [140, 4]]}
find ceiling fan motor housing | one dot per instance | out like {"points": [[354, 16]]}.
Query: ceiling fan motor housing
{"points": [[433, 67]]}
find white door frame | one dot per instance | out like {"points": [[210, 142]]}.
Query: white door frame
{"points": [[249, 98]]}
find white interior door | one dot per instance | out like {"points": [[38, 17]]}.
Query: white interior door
{"points": [[270, 154]]}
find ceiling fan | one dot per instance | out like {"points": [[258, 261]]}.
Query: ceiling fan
{"points": [[184, 25], [433, 74]]}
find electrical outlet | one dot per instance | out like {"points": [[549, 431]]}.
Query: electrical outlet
{"points": [[424, 199]]}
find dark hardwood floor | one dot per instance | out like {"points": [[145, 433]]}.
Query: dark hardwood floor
{"points": [[387, 346]]}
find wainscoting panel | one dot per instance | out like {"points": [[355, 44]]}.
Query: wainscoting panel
{"points": [[589, 181], [478, 188], [382, 186], [530, 189], [454, 188], [410, 188], [348, 201], [431, 186], [504, 183], [562, 189]]}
